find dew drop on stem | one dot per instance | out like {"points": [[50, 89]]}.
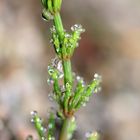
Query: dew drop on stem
{"points": [[53, 30], [67, 35], [50, 126], [50, 81], [32, 120], [97, 77], [33, 113], [77, 28], [46, 15], [57, 63], [80, 80]]}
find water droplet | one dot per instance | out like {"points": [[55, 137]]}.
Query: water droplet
{"points": [[46, 15], [32, 120], [78, 78], [57, 50], [81, 80], [53, 30], [50, 70], [57, 63], [92, 135], [50, 126], [43, 129], [34, 113], [78, 28], [39, 120], [50, 81], [97, 77], [67, 35], [59, 66], [97, 89], [68, 86]]}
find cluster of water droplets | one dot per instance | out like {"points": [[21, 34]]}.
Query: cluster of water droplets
{"points": [[98, 80], [97, 77], [55, 40], [33, 115], [55, 70], [68, 40], [93, 135], [35, 119], [57, 63], [53, 29], [77, 28], [80, 80], [85, 91], [50, 81]]}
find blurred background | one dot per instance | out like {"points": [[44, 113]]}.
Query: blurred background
{"points": [[110, 46]]}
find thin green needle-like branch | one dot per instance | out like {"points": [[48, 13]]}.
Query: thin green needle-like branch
{"points": [[69, 93]]}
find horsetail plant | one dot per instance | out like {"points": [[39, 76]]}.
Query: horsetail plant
{"points": [[68, 96]]}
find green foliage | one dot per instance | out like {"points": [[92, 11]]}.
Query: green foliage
{"points": [[37, 121], [50, 8], [69, 91], [51, 127]]}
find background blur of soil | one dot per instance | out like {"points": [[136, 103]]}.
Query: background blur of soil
{"points": [[110, 46]]}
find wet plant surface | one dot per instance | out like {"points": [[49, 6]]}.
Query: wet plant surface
{"points": [[73, 93]]}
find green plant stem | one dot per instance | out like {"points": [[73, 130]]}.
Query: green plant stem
{"points": [[58, 25], [67, 72], [64, 135], [66, 63]]}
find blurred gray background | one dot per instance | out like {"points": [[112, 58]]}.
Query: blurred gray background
{"points": [[110, 46]]}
